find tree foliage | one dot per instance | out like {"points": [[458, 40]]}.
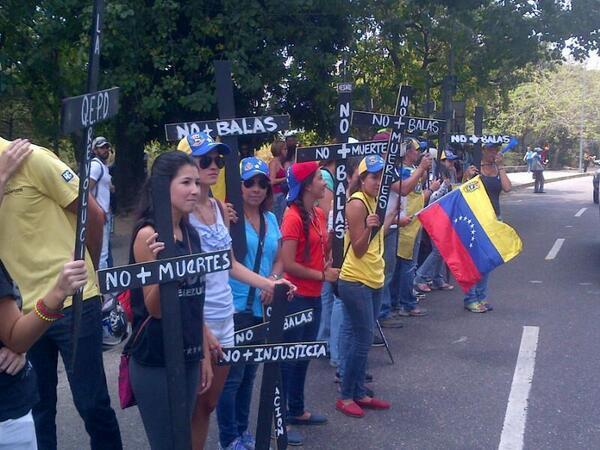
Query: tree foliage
{"points": [[287, 57], [554, 108]]}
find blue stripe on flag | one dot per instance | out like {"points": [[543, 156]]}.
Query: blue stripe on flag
{"points": [[471, 233]]}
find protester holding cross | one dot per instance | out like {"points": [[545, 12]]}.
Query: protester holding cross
{"points": [[361, 283], [305, 253], [41, 200], [212, 224], [147, 364], [18, 333], [263, 240], [409, 236]]}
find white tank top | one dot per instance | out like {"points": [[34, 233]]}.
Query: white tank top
{"points": [[218, 303]]}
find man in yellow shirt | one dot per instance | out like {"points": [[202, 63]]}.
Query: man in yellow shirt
{"points": [[37, 234], [413, 177]]}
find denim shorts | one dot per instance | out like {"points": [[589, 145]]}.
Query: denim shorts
{"points": [[223, 330]]}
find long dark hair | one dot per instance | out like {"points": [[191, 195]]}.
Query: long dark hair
{"points": [[303, 212], [352, 164], [267, 203], [167, 164]]}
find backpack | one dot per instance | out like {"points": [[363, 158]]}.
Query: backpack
{"points": [[96, 159]]}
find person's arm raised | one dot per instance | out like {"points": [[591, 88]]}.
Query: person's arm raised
{"points": [[11, 159]]}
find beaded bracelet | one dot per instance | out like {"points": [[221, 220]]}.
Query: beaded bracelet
{"points": [[42, 311]]}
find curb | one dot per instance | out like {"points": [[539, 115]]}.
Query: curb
{"points": [[550, 180]]}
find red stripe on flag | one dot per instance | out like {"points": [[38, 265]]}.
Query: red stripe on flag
{"points": [[442, 232]]}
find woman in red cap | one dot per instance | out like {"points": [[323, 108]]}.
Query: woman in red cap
{"points": [[305, 255]]}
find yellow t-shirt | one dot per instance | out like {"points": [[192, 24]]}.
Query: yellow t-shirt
{"points": [[37, 235], [408, 234], [370, 268]]}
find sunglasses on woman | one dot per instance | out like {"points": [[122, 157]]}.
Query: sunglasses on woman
{"points": [[206, 161], [263, 183]]}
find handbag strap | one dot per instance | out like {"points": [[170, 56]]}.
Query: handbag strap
{"points": [[259, 251], [142, 326]]}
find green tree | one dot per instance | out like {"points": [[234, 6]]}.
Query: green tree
{"points": [[550, 109]]}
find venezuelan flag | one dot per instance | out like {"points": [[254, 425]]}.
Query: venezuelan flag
{"points": [[470, 238]]}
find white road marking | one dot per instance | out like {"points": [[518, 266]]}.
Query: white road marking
{"points": [[555, 249], [569, 226], [585, 284], [513, 430], [580, 212], [460, 340], [536, 282]]}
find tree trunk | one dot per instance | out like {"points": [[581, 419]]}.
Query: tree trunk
{"points": [[129, 142]]}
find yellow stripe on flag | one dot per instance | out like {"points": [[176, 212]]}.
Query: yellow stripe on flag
{"points": [[503, 236]]}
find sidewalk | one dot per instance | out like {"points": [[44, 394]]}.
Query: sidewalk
{"points": [[524, 179]]}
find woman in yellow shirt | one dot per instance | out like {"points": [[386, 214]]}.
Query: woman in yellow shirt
{"points": [[360, 285]]}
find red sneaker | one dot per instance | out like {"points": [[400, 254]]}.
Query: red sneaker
{"points": [[351, 409], [374, 403]]}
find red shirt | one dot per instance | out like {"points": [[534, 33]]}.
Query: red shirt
{"points": [[293, 229]]}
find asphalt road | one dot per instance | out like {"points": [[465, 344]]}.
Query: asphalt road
{"points": [[452, 379]]}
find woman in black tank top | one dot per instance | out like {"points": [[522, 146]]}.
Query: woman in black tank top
{"points": [[495, 180]]}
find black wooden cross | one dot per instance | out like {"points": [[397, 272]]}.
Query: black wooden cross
{"points": [[271, 411], [477, 139], [399, 126], [258, 333], [229, 128], [82, 113], [166, 271], [340, 153]]}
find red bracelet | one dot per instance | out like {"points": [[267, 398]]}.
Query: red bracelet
{"points": [[41, 307]]}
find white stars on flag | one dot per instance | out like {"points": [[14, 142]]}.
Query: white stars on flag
{"points": [[470, 224]]}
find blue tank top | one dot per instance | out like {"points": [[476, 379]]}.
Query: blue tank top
{"points": [[493, 186]]}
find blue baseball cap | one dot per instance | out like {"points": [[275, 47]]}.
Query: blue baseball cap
{"points": [[201, 143], [371, 164], [449, 155], [250, 167], [296, 174]]}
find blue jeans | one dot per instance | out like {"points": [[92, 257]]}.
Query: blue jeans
{"points": [[279, 205], [88, 382], [478, 292], [105, 252], [326, 309], [390, 284], [433, 269], [234, 404], [293, 374], [360, 305], [337, 317], [407, 269]]}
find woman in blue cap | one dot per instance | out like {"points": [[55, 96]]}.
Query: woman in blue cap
{"points": [[212, 225], [361, 285], [263, 240]]}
